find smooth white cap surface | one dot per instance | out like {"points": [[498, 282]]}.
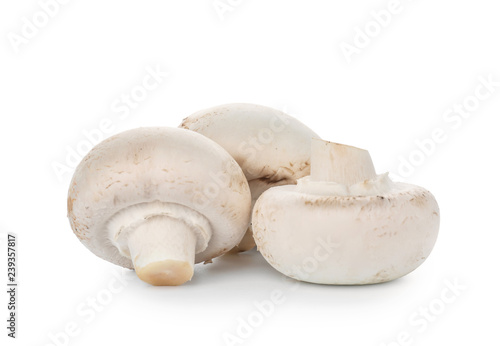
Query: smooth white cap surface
{"points": [[346, 240]]}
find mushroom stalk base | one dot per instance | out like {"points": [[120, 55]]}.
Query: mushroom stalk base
{"points": [[343, 164], [163, 251]]}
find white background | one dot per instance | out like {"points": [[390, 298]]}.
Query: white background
{"points": [[283, 54]]}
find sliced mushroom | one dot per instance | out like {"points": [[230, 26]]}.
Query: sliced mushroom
{"points": [[271, 147], [344, 224], [159, 200]]}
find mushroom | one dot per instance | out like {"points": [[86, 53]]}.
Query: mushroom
{"points": [[159, 200], [271, 147], [344, 224]]}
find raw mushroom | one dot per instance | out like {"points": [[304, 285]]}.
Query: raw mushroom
{"points": [[271, 147], [159, 200], [344, 224]]}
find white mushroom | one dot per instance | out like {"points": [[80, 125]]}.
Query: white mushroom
{"points": [[344, 224], [271, 147], [159, 200]]}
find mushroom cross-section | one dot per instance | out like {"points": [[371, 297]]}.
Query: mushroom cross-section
{"points": [[344, 224], [271, 147], [159, 200]]}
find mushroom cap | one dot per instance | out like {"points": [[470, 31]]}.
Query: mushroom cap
{"points": [[271, 147], [346, 239], [158, 165]]}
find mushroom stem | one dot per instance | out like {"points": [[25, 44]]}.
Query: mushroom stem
{"points": [[163, 251], [333, 162]]}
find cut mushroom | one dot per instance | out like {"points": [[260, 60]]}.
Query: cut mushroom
{"points": [[344, 224], [158, 200], [271, 147]]}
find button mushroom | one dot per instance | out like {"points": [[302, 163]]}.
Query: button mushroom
{"points": [[344, 224], [159, 200], [271, 147]]}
